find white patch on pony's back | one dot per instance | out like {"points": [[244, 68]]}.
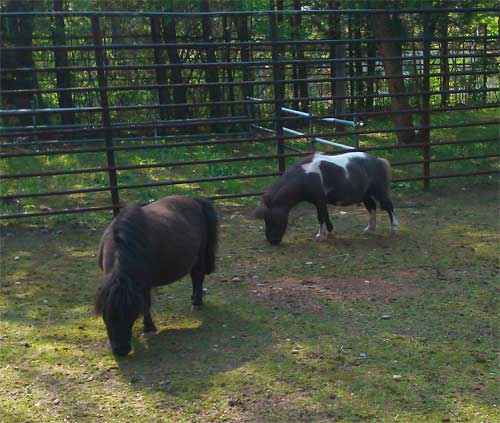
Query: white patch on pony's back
{"points": [[341, 160], [313, 166]]}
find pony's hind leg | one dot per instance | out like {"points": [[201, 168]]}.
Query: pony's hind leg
{"points": [[371, 206], [197, 278], [386, 204], [149, 326]]}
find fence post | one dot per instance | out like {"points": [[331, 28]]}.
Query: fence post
{"points": [[426, 117], [250, 115], [485, 65], [310, 127], [33, 121], [278, 74], [356, 129], [227, 58], [106, 120]]}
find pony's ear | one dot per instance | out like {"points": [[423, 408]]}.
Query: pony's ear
{"points": [[260, 211]]}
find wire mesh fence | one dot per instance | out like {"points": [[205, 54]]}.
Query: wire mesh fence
{"points": [[101, 108]]}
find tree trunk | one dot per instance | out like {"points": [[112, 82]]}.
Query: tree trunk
{"points": [[63, 76], [444, 66], [227, 58], [211, 74], [295, 36], [358, 65], [337, 69], [161, 72], [371, 51], [301, 67], [179, 91], [387, 27], [245, 56], [19, 31]]}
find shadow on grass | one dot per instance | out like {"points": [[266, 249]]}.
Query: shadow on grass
{"points": [[184, 357]]}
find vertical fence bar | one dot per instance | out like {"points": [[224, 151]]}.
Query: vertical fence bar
{"points": [[356, 129], [278, 75], [426, 86], [310, 128], [106, 120], [33, 121], [250, 115], [226, 23], [485, 64]]}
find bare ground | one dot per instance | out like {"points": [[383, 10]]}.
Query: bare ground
{"points": [[306, 332]]}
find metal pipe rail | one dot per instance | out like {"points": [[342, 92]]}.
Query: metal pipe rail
{"points": [[240, 64], [8, 112], [310, 117], [223, 178], [224, 44], [48, 143], [155, 146], [253, 13], [243, 83]]}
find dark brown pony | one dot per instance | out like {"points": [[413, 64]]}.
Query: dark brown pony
{"points": [[151, 246]]}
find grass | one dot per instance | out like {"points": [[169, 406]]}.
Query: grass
{"points": [[303, 332], [137, 176]]}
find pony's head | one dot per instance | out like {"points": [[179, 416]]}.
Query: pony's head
{"points": [[275, 219], [120, 302]]}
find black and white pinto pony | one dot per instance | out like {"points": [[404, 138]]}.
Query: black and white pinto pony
{"points": [[148, 246], [321, 179]]}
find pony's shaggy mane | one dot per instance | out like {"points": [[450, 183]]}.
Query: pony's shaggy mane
{"points": [[284, 181], [119, 291]]}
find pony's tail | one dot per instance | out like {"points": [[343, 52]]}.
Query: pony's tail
{"points": [[212, 222]]}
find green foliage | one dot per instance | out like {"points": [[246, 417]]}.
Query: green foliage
{"points": [[137, 30]]}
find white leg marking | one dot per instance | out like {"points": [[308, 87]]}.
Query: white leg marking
{"points": [[321, 235], [395, 224], [148, 335], [372, 223]]}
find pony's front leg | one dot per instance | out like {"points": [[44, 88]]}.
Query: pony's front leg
{"points": [[149, 327], [324, 222], [371, 206], [197, 277]]}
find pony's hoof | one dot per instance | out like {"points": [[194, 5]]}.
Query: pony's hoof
{"points": [[369, 231], [320, 238], [196, 307], [394, 231], [330, 235], [149, 334]]}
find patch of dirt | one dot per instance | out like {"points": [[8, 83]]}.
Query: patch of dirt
{"points": [[303, 294]]}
